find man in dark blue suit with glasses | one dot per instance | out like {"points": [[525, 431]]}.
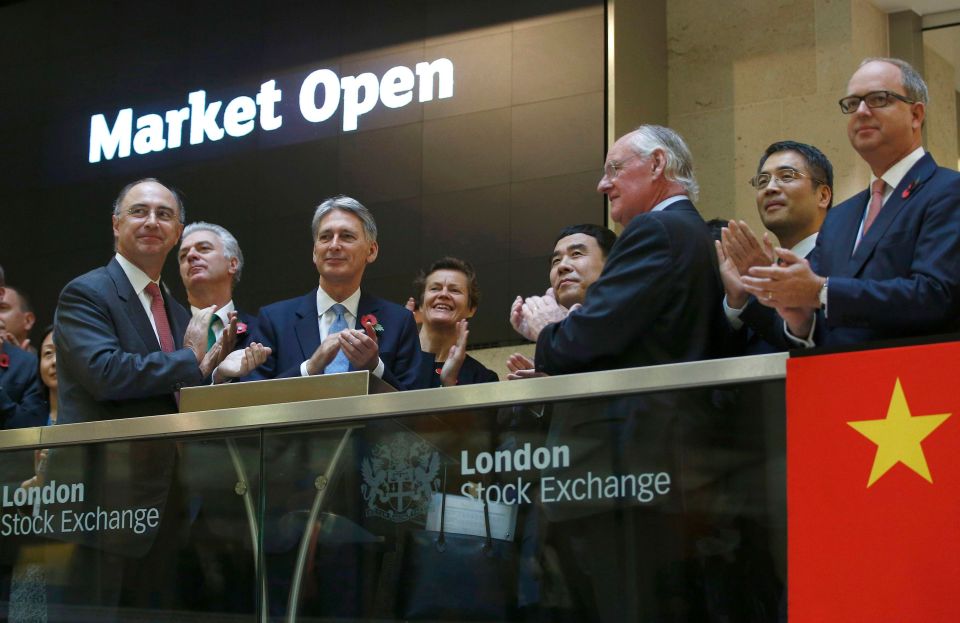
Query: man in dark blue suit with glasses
{"points": [[887, 262]]}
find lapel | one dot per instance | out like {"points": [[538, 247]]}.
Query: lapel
{"points": [[3, 350], [306, 326], [175, 319], [132, 306], [916, 177], [368, 305]]}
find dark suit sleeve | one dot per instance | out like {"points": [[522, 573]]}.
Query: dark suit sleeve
{"points": [[87, 337], [766, 323], [22, 403], [622, 304], [404, 368], [925, 298], [265, 333]]}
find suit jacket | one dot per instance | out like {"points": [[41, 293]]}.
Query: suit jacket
{"points": [[244, 339], [109, 365], [22, 402], [109, 362], [471, 372], [292, 330], [904, 277], [658, 300]]}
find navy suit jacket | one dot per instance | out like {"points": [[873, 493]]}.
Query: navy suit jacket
{"points": [[109, 365], [658, 300], [22, 402], [292, 330], [904, 277]]}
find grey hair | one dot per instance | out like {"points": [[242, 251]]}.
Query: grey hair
{"points": [[679, 168], [126, 189], [911, 80], [346, 204], [231, 248]]}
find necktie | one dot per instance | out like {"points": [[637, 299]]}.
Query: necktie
{"points": [[160, 318], [340, 363], [876, 202], [215, 323]]}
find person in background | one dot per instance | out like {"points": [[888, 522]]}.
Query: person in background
{"points": [[17, 316], [21, 396], [449, 295]]}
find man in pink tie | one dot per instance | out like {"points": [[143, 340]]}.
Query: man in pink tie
{"points": [[887, 260], [124, 349]]}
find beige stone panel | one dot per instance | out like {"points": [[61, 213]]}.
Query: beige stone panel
{"points": [[941, 117], [748, 52], [560, 16], [481, 75], [869, 35], [473, 33], [496, 358], [558, 59], [835, 57], [710, 136]]}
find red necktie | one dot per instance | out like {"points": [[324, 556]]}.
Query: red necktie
{"points": [[876, 202], [160, 318]]}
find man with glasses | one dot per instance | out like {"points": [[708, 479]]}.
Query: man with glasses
{"points": [[887, 261], [794, 184], [124, 348], [658, 297]]}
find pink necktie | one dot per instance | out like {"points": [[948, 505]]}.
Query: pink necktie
{"points": [[160, 318], [876, 202]]}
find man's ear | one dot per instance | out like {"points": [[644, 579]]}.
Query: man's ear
{"points": [[29, 319], [374, 251]]}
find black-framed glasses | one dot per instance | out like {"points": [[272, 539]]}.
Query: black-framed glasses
{"points": [[784, 176], [612, 168], [874, 99]]}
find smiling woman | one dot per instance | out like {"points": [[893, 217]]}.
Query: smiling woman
{"points": [[449, 295]]}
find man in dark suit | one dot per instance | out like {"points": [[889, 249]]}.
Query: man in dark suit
{"points": [[794, 184], [336, 327], [211, 264], [887, 261], [21, 397], [658, 299], [124, 348]]}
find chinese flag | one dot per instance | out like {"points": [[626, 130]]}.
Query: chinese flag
{"points": [[873, 485]]}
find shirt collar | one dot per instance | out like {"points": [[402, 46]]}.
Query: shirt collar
{"points": [[221, 313], [895, 174], [669, 201], [805, 246], [325, 302], [138, 279]]}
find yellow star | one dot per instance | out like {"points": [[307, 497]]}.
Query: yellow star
{"points": [[898, 437]]}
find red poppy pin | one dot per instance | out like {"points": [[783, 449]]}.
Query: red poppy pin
{"points": [[241, 328], [907, 191], [4, 360], [371, 319]]}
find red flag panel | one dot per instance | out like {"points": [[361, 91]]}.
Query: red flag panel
{"points": [[889, 551]]}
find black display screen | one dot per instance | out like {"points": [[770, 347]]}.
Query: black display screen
{"points": [[473, 129]]}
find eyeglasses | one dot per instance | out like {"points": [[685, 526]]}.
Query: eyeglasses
{"points": [[612, 169], [874, 99], [140, 213], [783, 177]]}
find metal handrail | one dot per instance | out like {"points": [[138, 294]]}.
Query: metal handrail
{"points": [[549, 389]]}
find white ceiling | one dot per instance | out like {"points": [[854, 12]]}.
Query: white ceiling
{"points": [[945, 41]]}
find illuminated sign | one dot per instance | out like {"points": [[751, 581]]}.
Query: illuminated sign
{"points": [[320, 97]]}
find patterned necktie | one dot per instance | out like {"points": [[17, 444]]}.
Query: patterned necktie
{"points": [[160, 318], [876, 202], [340, 363]]}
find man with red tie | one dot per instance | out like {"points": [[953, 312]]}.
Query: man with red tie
{"points": [[887, 261], [124, 349]]}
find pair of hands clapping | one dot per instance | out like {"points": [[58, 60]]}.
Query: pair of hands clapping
{"points": [[221, 359]]}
